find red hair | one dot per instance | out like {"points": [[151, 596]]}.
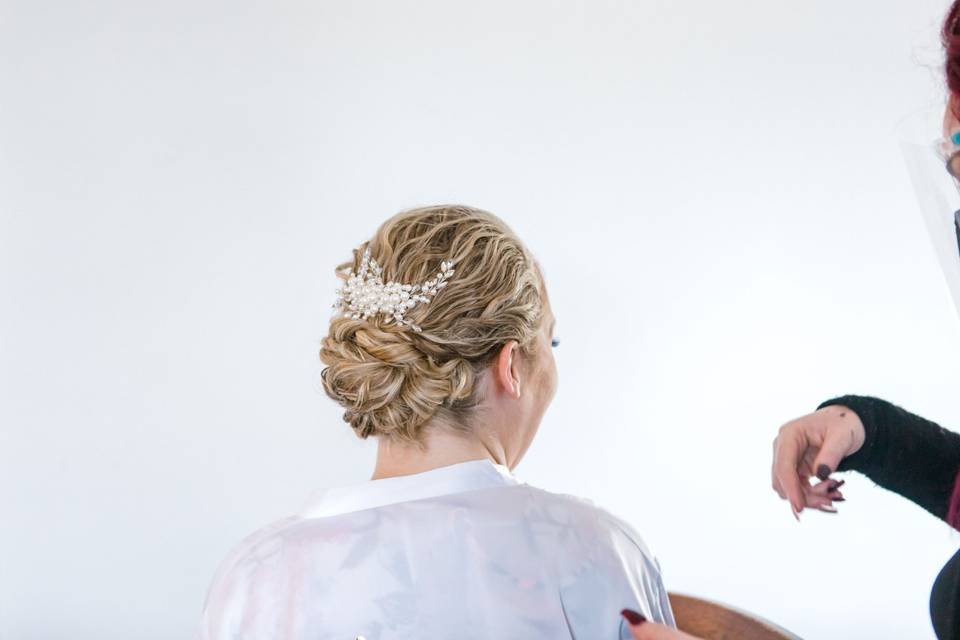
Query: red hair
{"points": [[950, 37], [953, 510]]}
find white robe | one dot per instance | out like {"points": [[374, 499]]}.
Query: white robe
{"points": [[463, 551]]}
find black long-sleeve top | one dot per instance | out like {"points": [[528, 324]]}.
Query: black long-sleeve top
{"points": [[919, 460]]}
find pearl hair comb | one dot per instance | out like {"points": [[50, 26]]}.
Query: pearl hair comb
{"points": [[364, 293]]}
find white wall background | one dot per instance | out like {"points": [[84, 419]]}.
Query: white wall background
{"points": [[714, 189]]}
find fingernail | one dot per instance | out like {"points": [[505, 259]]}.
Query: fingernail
{"points": [[823, 472], [840, 499], [633, 617]]}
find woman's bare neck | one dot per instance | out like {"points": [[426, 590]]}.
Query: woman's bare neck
{"points": [[442, 448]]}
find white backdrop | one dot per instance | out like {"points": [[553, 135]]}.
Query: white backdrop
{"points": [[715, 192]]}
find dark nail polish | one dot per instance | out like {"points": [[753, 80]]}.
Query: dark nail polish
{"points": [[633, 617], [823, 472], [841, 483], [839, 499]]}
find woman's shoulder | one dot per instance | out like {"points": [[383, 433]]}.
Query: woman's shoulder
{"points": [[256, 547], [256, 560], [605, 526], [604, 562], [254, 541]]}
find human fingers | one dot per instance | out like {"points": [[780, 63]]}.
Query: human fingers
{"points": [[822, 495], [774, 481], [789, 449], [643, 630], [827, 488]]}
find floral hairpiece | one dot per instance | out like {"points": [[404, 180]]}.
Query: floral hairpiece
{"points": [[364, 293]]}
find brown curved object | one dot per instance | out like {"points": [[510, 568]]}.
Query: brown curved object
{"points": [[715, 621]]}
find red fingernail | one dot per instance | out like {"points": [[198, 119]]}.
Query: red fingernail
{"points": [[823, 472], [841, 499], [633, 617]]}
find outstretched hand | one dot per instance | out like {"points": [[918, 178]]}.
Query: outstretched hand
{"points": [[813, 446]]}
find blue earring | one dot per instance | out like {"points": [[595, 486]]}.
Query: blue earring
{"points": [[955, 138]]}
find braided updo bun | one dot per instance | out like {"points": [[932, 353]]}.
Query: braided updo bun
{"points": [[390, 379]]}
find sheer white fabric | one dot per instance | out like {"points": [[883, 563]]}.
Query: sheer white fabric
{"points": [[465, 551]]}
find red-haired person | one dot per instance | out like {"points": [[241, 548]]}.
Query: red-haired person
{"points": [[896, 449]]}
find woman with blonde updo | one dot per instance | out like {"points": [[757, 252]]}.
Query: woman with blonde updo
{"points": [[442, 351]]}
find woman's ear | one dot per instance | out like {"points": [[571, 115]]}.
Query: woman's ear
{"points": [[507, 369]]}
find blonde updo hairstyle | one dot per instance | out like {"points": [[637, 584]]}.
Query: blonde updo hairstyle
{"points": [[392, 380]]}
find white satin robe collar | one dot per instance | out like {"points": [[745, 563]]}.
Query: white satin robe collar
{"points": [[455, 478]]}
